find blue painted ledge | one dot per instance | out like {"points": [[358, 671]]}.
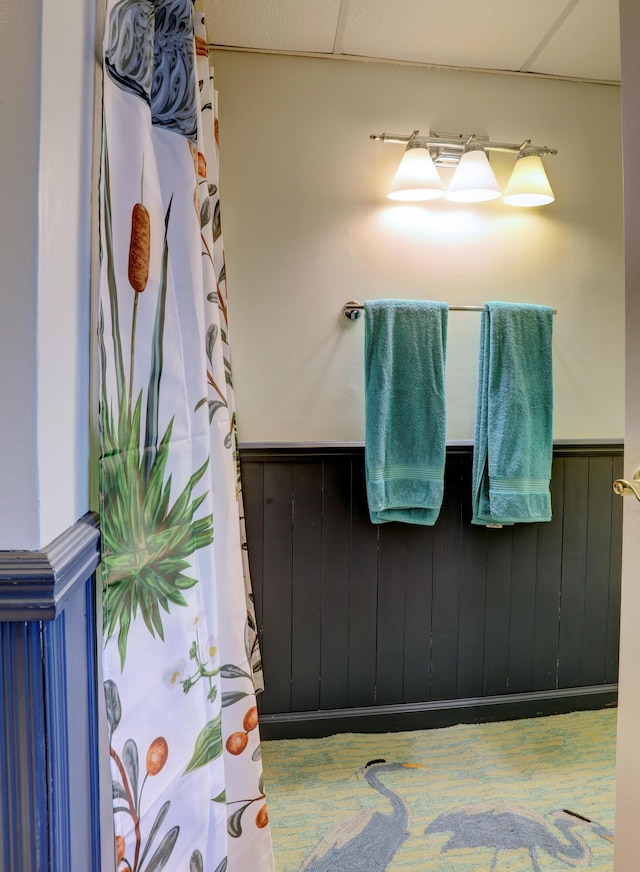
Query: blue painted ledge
{"points": [[50, 817], [35, 585]]}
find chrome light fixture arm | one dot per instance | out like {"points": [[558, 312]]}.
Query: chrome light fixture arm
{"points": [[451, 146]]}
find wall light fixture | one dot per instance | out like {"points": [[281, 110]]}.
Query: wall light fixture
{"points": [[528, 185], [473, 180], [416, 178]]}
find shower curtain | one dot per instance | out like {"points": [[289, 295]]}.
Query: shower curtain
{"points": [[180, 658]]}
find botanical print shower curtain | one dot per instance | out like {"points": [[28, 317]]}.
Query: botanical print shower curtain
{"points": [[179, 641]]}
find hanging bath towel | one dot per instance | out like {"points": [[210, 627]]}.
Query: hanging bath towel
{"points": [[514, 431], [405, 348]]}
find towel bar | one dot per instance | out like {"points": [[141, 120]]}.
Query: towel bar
{"points": [[353, 309]]}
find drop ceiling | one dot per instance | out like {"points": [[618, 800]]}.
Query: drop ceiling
{"points": [[576, 39]]}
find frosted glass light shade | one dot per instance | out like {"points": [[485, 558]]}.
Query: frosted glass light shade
{"points": [[528, 185], [473, 181], [416, 178]]}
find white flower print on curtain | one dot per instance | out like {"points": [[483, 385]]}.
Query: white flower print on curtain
{"points": [[177, 659]]}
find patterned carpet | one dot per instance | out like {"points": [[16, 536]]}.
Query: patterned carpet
{"points": [[524, 795]]}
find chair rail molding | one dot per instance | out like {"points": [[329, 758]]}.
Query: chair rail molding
{"points": [[49, 649], [35, 585]]}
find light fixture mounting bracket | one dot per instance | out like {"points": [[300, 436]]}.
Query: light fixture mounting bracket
{"points": [[447, 148]]}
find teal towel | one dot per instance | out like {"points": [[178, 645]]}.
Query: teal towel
{"points": [[514, 427], [405, 348]]}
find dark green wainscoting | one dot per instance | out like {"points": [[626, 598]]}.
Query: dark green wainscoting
{"points": [[48, 714], [369, 628]]}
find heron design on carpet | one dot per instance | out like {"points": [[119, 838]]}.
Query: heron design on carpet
{"points": [[507, 828], [369, 840]]}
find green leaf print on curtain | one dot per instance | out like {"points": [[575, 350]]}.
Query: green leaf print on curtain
{"points": [[144, 540], [180, 655]]}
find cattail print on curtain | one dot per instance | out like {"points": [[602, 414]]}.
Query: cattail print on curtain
{"points": [[179, 642]]}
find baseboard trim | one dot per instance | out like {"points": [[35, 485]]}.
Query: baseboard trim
{"points": [[441, 713], [34, 585]]}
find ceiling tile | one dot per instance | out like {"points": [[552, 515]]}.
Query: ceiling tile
{"points": [[285, 25], [575, 38], [489, 34], [586, 45]]}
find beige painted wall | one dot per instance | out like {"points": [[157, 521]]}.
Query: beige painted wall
{"points": [[307, 227], [19, 123], [64, 261], [46, 119]]}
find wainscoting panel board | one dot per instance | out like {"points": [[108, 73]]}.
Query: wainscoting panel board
{"points": [[598, 559], [355, 616], [473, 589], [445, 592], [277, 579], [574, 563], [418, 592], [252, 494], [362, 583], [497, 627], [306, 594], [615, 578], [23, 773], [548, 585], [334, 594]]}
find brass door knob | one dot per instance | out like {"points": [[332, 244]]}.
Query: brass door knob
{"points": [[625, 488]]}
